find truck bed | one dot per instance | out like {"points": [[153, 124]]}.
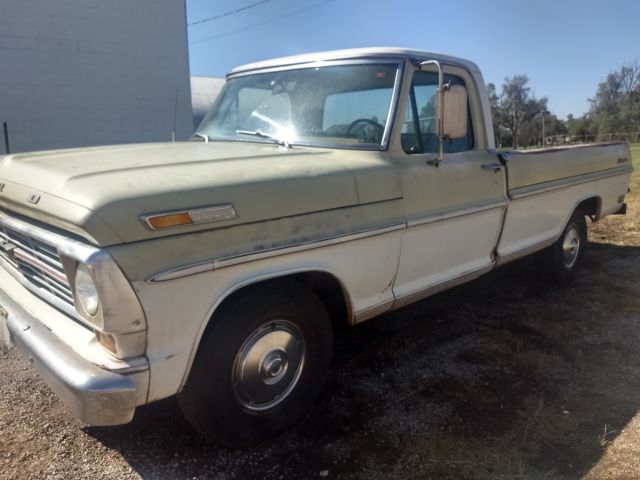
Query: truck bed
{"points": [[530, 170]]}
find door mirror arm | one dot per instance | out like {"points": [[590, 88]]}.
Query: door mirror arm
{"points": [[439, 104], [451, 111]]}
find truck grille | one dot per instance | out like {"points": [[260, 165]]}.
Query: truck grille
{"points": [[38, 262]]}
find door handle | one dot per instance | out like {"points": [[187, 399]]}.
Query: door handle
{"points": [[494, 167]]}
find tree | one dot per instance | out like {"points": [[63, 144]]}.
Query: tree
{"points": [[553, 127], [517, 108], [630, 77], [615, 108], [496, 112]]}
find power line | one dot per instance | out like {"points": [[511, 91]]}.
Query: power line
{"points": [[260, 24], [226, 14]]}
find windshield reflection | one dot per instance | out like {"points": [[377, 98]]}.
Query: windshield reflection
{"points": [[340, 105]]}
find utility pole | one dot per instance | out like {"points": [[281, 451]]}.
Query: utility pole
{"points": [[6, 138], [543, 113]]}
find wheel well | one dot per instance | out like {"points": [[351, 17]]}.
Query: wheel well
{"points": [[331, 292], [328, 288], [591, 207]]}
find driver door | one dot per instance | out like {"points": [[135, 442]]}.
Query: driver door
{"points": [[454, 210]]}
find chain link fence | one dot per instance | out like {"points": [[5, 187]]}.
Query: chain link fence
{"points": [[631, 137]]}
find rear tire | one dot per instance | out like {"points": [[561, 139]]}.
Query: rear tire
{"points": [[260, 365], [560, 262]]}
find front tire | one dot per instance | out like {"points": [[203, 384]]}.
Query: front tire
{"points": [[561, 261], [260, 365]]}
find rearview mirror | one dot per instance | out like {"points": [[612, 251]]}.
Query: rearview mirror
{"points": [[454, 112]]}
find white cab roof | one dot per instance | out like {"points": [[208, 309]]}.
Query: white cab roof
{"points": [[357, 53]]}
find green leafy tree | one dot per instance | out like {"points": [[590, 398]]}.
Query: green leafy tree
{"points": [[496, 113], [615, 108], [515, 110]]}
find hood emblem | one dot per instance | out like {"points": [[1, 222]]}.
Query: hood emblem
{"points": [[8, 248], [33, 198]]}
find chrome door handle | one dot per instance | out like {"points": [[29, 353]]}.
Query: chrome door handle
{"points": [[495, 167]]}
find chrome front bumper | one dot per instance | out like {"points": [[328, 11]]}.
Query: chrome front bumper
{"points": [[92, 394]]}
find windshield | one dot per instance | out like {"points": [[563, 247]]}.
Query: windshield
{"points": [[338, 106]]}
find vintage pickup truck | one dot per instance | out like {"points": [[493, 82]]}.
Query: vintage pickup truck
{"points": [[322, 188]]}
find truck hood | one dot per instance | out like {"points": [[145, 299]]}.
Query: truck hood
{"points": [[101, 193]]}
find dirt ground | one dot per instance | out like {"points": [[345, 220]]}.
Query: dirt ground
{"points": [[503, 378]]}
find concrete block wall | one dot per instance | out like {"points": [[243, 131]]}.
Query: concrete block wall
{"points": [[92, 72]]}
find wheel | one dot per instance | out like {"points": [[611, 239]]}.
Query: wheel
{"points": [[368, 121], [260, 365], [561, 261]]}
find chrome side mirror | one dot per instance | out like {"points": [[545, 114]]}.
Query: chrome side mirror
{"points": [[451, 110]]}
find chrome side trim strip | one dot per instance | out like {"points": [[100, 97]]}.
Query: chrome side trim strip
{"points": [[451, 213], [216, 264], [182, 272], [374, 311], [231, 260], [412, 297], [525, 251], [544, 187], [275, 252]]}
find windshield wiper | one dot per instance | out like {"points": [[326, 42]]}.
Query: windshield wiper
{"points": [[261, 134], [201, 135]]}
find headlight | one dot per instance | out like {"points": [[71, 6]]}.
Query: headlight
{"points": [[86, 292]]}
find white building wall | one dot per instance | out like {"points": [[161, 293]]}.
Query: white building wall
{"points": [[204, 91], [92, 72]]}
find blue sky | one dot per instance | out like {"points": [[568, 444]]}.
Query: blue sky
{"points": [[566, 47]]}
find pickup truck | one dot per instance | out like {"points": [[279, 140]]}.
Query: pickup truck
{"points": [[322, 188]]}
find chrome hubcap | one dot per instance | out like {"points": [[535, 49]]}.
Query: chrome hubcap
{"points": [[571, 246], [268, 365], [274, 366]]}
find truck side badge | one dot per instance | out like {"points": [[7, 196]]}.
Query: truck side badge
{"points": [[33, 198]]}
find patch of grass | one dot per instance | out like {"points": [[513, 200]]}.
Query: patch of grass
{"points": [[623, 229]]}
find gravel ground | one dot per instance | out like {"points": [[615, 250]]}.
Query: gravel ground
{"points": [[502, 378]]}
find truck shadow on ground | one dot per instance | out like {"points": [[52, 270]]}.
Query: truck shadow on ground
{"points": [[503, 377]]}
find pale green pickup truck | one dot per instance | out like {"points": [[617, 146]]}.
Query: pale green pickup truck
{"points": [[319, 189]]}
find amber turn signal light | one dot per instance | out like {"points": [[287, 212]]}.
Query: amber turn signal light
{"points": [[170, 220], [107, 341]]}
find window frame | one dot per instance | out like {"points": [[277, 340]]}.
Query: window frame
{"points": [[399, 62], [411, 105]]}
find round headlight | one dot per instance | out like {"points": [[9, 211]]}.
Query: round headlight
{"points": [[86, 292]]}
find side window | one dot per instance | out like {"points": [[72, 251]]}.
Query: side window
{"points": [[419, 127]]}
